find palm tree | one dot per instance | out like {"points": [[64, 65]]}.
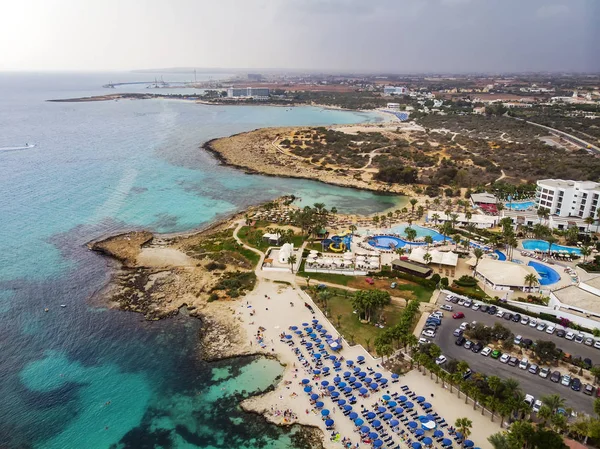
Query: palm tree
{"points": [[429, 240], [551, 240], [478, 253], [400, 251], [586, 251], [553, 401], [411, 234], [494, 382], [352, 228], [376, 220], [511, 386], [368, 343], [589, 221], [427, 258], [413, 202], [531, 280], [463, 425], [456, 239], [544, 414], [435, 218], [292, 260], [453, 219], [499, 441]]}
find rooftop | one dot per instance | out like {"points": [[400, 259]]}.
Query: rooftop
{"points": [[411, 266], [505, 273], [562, 183], [487, 198], [438, 257], [594, 283], [576, 297]]}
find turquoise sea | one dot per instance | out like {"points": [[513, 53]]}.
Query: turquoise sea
{"points": [[84, 376]]}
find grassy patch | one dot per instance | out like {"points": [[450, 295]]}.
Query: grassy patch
{"points": [[338, 279], [221, 247], [253, 237]]}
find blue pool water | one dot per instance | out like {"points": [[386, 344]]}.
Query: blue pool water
{"points": [[548, 275], [387, 242], [520, 206], [542, 245], [500, 254], [421, 232]]}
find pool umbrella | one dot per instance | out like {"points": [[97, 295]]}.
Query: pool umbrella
{"points": [[337, 379], [426, 405], [335, 394], [419, 432], [377, 443], [387, 416], [427, 441], [438, 434], [360, 358], [374, 386], [294, 328], [325, 412], [341, 402], [373, 435], [325, 383], [349, 362], [392, 404], [331, 388], [305, 381], [346, 373], [363, 391], [412, 425], [329, 422], [409, 405], [307, 389], [399, 410], [347, 408], [420, 399], [402, 399], [394, 422], [446, 442], [416, 445], [468, 443], [370, 415], [319, 404], [353, 416], [342, 384], [358, 421], [365, 429], [385, 397]]}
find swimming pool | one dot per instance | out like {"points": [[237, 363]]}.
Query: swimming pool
{"points": [[548, 275], [389, 242], [421, 232], [542, 245], [500, 254], [520, 206]]}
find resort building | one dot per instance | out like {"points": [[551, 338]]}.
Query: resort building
{"points": [[583, 298], [568, 198], [445, 258], [411, 268], [503, 275], [394, 90], [393, 106], [530, 218], [480, 221], [259, 93]]}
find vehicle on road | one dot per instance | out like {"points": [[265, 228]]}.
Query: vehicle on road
{"points": [[533, 369], [477, 347], [505, 358], [496, 354], [486, 351], [544, 372], [524, 363], [441, 360], [457, 332], [492, 310], [460, 341], [579, 338], [518, 340], [424, 341], [555, 376], [508, 316], [468, 303], [588, 389], [597, 344], [458, 315], [513, 361], [550, 329], [537, 405], [475, 306], [464, 326], [468, 344], [499, 313], [541, 326], [428, 333], [484, 308], [589, 341], [529, 400], [467, 373], [447, 307], [566, 380], [561, 333], [576, 384], [570, 336], [533, 322], [525, 320]]}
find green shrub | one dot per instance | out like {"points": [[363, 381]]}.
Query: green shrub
{"points": [[466, 281], [213, 297]]}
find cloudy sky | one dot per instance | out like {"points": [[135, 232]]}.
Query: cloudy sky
{"points": [[340, 35]]}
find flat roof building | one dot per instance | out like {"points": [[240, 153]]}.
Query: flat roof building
{"points": [[411, 268], [248, 92], [504, 275], [565, 198]]}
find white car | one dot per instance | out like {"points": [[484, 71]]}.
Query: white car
{"points": [[544, 372], [468, 303], [518, 339], [541, 326], [523, 363], [449, 298], [500, 314], [464, 325], [439, 315], [486, 351], [476, 306], [570, 336], [537, 405], [597, 344], [504, 358], [589, 341], [550, 329], [461, 302], [447, 307], [441, 360], [525, 320], [424, 341], [533, 322], [529, 400], [428, 333], [566, 380]]}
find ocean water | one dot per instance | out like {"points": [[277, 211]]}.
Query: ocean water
{"points": [[84, 376]]}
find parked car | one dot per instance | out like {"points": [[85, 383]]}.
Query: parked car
{"points": [[454, 300], [449, 297], [458, 315], [500, 313], [513, 361], [424, 341], [447, 307], [597, 344], [529, 400], [527, 342], [561, 333], [524, 363], [496, 354], [588, 389], [541, 326], [537, 405], [477, 347], [468, 344], [570, 336], [369, 281], [475, 306], [467, 373], [484, 308], [518, 340], [534, 369], [486, 351], [457, 332], [555, 376], [441, 360], [525, 320], [579, 338], [516, 317], [576, 384], [550, 329], [460, 341], [432, 322], [533, 322], [508, 316], [589, 341], [468, 303], [566, 380], [464, 325], [461, 301], [492, 310], [505, 358], [587, 363], [431, 328], [428, 333], [544, 372]]}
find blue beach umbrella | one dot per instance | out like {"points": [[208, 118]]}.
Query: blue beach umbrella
{"points": [[347, 389], [381, 409], [399, 410], [305, 381], [307, 389], [412, 425], [329, 422], [342, 384], [352, 379], [294, 328], [374, 386], [420, 399], [419, 432], [328, 336], [347, 408], [326, 369], [308, 345], [314, 396], [427, 441], [446, 442], [356, 370], [377, 375], [409, 405], [392, 404], [360, 358], [373, 435], [402, 399], [318, 340], [318, 326], [387, 416], [337, 364], [335, 394], [319, 404], [337, 379], [347, 373], [377, 443], [317, 356], [359, 421], [438, 434], [426, 405], [325, 412], [459, 435], [362, 374], [324, 383], [349, 362], [331, 388], [365, 429], [395, 376], [312, 335], [430, 417], [305, 324], [316, 371], [363, 391], [367, 380], [357, 385], [386, 397], [341, 402], [332, 357], [468, 443], [315, 321], [376, 423], [288, 336], [353, 416], [394, 422], [370, 415], [298, 332], [416, 445], [383, 381]]}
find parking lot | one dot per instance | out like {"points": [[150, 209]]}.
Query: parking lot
{"points": [[530, 383]]}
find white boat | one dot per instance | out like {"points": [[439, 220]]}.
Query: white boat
{"points": [[27, 146]]}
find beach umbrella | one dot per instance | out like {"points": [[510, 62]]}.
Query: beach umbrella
{"points": [[358, 421], [315, 321], [329, 336], [307, 389], [427, 441], [294, 328], [326, 369], [376, 423], [409, 405], [347, 408], [459, 435], [308, 345], [468, 443], [373, 435], [356, 370], [316, 371], [402, 399], [446, 442], [383, 381], [342, 384], [363, 391], [438, 434], [331, 388], [353, 416], [288, 336], [319, 404], [325, 412], [305, 381], [399, 410], [349, 362], [341, 402], [416, 445], [347, 390], [298, 332], [367, 380], [312, 335], [329, 422], [377, 376], [365, 429], [427, 405], [318, 326], [305, 324], [395, 376], [357, 385], [332, 357], [318, 340], [377, 443], [419, 432], [381, 409], [420, 399], [394, 423], [392, 404], [346, 373], [352, 379], [387, 416], [335, 394], [314, 397], [317, 356], [413, 424], [374, 386], [362, 374], [386, 397], [337, 379], [337, 364], [370, 415], [324, 383]]}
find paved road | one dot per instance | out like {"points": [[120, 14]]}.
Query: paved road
{"points": [[530, 383]]}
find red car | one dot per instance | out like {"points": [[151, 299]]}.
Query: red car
{"points": [[369, 281], [458, 315]]}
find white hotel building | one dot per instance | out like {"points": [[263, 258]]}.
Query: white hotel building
{"points": [[578, 199]]}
